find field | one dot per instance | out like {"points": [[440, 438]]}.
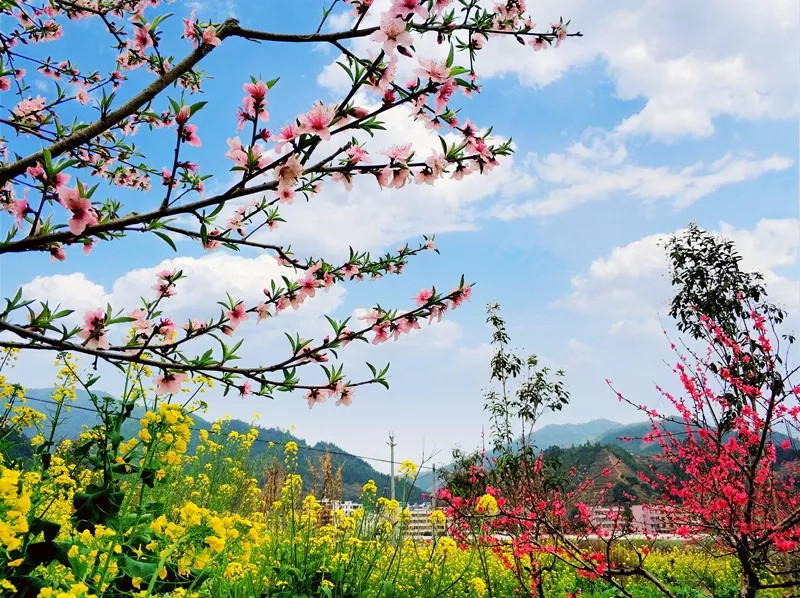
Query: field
{"points": [[158, 521]]}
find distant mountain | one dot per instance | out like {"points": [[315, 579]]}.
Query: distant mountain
{"points": [[592, 443], [565, 435], [552, 435], [355, 471]]}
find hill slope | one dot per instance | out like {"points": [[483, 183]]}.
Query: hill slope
{"points": [[556, 435], [355, 471]]}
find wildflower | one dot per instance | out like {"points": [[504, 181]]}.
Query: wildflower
{"points": [[408, 469], [437, 518], [487, 504], [478, 586]]}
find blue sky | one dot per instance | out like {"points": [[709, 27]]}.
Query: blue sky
{"points": [[664, 113]]}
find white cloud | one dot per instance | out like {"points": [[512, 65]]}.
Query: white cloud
{"points": [[599, 168], [690, 61], [630, 286], [70, 291], [372, 219]]}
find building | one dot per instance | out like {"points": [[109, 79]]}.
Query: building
{"points": [[637, 519], [419, 524]]}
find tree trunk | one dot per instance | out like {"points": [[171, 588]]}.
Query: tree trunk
{"points": [[748, 585]]}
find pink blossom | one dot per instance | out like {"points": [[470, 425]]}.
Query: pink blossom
{"points": [[210, 36], [399, 178], [350, 269], [140, 321], [263, 311], [392, 33], [289, 172], [169, 382], [560, 31], [538, 43], [164, 285], [477, 40], [18, 208], [257, 90], [308, 285], [384, 176], [346, 178], [317, 120], [406, 8], [236, 315], [166, 178], [142, 39], [5, 83], [83, 213], [189, 135], [30, 109], [183, 115], [189, 29], [435, 70], [286, 194], [57, 254], [423, 297], [286, 135], [443, 95], [35, 171], [93, 332], [345, 397], [82, 96], [246, 389], [357, 154], [399, 153], [371, 317], [314, 396], [166, 328], [405, 325], [236, 151], [381, 333], [58, 181], [440, 5]]}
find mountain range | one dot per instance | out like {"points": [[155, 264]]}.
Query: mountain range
{"points": [[588, 446], [355, 470]]}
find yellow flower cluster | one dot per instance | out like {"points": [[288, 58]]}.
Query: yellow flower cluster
{"points": [[487, 504], [15, 503], [170, 426], [437, 518], [213, 533], [408, 469]]}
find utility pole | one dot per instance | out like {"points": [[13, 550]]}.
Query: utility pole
{"points": [[435, 489], [391, 444]]}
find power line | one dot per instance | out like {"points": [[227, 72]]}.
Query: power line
{"points": [[261, 440]]}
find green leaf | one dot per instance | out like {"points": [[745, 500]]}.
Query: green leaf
{"points": [[196, 107], [165, 237]]}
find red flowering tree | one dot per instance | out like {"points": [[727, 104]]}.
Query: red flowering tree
{"points": [[80, 140], [726, 476]]}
